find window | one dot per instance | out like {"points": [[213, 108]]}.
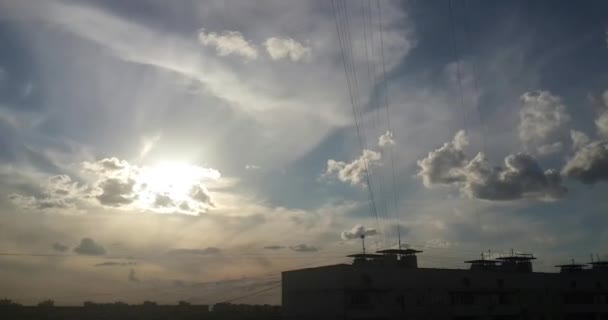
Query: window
{"points": [[500, 283]]}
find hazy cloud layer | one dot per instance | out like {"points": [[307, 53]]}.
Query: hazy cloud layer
{"points": [[274, 247], [202, 252], [304, 248], [115, 264]]}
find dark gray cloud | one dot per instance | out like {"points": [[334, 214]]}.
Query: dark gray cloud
{"points": [[304, 248], [60, 247], [163, 201], [88, 246], [521, 176], [116, 192], [200, 194], [204, 251], [589, 163], [274, 247], [358, 231], [115, 264]]}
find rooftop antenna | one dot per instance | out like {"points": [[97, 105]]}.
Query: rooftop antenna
{"points": [[489, 253], [598, 257], [399, 235], [363, 242], [572, 261], [592, 258], [512, 253], [482, 258]]}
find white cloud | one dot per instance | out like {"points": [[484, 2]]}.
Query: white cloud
{"points": [[358, 231], [279, 48], [386, 139], [579, 139], [442, 166], [229, 43], [356, 171], [252, 167], [543, 122]]}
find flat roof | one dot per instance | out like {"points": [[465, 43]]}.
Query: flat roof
{"points": [[366, 255], [399, 251], [482, 261], [571, 265]]}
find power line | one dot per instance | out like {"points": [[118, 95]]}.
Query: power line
{"points": [[388, 115], [344, 39]]}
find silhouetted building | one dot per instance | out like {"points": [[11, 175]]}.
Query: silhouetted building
{"points": [[389, 285]]}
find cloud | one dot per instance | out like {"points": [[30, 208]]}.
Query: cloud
{"points": [[386, 139], [443, 165], [589, 163], [116, 192], [60, 247], [548, 149], [106, 165], [132, 276], [163, 201], [579, 139], [438, 244], [56, 192], [521, 176], [279, 48], [199, 193], [88, 246], [602, 124], [274, 247], [354, 172], [304, 248], [543, 121], [229, 43], [252, 167], [115, 264], [358, 231], [202, 252]]}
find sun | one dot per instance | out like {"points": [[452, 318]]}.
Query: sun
{"points": [[173, 179]]}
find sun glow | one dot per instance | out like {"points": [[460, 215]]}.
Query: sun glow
{"points": [[175, 181]]}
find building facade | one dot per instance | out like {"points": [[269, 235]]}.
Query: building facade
{"points": [[390, 285]]}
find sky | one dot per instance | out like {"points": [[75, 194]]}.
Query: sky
{"points": [[193, 150]]}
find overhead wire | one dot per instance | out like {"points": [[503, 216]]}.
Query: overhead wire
{"points": [[373, 83], [344, 39], [388, 114]]}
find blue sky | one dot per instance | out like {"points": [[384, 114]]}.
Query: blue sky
{"points": [[214, 141]]}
